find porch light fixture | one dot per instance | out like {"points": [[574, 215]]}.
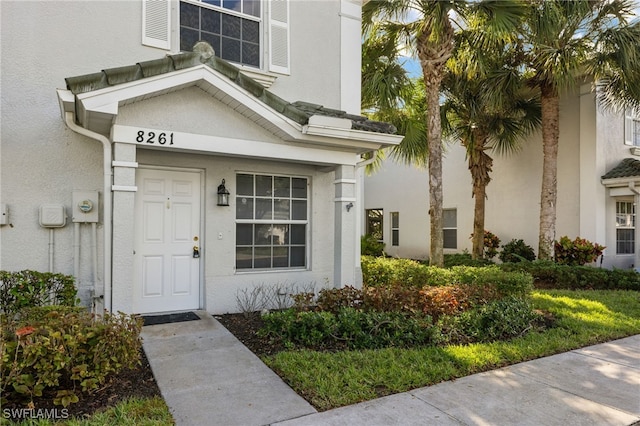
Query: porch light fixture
{"points": [[223, 195]]}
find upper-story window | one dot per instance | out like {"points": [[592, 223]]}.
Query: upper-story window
{"points": [[632, 127], [254, 33], [231, 27]]}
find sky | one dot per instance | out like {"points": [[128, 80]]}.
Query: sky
{"points": [[413, 66]]}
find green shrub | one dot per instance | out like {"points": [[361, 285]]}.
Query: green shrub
{"points": [[392, 273], [30, 288], [464, 259], [353, 328], [65, 349], [375, 330], [307, 328], [379, 271], [497, 320], [514, 283], [370, 246], [577, 252], [549, 274], [516, 251]]}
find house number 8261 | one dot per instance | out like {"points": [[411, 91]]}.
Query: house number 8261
{"points": [[152, 137]]}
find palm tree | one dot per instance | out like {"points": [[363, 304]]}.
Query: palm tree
{"points": [[562, 42], [427, 29], [487, 113]]}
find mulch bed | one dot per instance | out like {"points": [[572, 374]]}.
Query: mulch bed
{"points": [[138, 382]]}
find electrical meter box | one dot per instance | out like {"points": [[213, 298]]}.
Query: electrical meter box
{"points": [[53, 216], [4, 214], [85, 206]]}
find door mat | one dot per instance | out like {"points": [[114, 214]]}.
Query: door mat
{"points": [[170, 318]]}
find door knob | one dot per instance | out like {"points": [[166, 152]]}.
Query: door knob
{"points": [[196, 252]]}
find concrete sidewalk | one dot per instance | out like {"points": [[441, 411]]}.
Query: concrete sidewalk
{"points": [[208, 377]]}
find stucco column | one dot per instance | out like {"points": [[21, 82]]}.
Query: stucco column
{"points": [[345, 228], [124, 187]]}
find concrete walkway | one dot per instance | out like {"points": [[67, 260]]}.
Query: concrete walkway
{"points": [[208, 377]]}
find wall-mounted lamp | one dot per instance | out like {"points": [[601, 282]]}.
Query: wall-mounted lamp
{"points": [[349, 206], [223, 195]]}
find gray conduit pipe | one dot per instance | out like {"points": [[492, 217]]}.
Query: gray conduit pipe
{"points": [[108, 177]]}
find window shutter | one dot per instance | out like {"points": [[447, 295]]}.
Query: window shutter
{"points": [[628, 127], [156, 23], [279, 36]]}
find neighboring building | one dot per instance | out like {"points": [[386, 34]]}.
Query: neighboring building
{"points": [[118, 141], [598, 180]]}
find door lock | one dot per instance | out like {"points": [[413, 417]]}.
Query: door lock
{"points": [[196, 252]]}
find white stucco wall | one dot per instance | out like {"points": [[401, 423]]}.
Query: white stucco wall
{"points": [[42, 161], [590, 144]]}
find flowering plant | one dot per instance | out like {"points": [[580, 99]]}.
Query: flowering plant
{"points": [[491, 244]]}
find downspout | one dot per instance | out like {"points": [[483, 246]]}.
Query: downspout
{"points": [[636, 199], [69, 119]]}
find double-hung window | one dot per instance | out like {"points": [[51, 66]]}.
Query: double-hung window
{"points": [[625, 227], [395, 229], [254, 33], [231, 27], [450, 228], [271, 221], [632, 127]]}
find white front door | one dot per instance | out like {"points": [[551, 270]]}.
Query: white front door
{"points": [[167, 235]]}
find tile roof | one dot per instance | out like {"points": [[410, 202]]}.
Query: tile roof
{"points": [[299, 111], [629, 167]]}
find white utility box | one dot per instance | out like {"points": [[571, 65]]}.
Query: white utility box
{"points": [[85, 206], [53, 216]]}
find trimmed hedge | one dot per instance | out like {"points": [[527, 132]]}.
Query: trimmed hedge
{"points": [[31, 288], [393, 272], [548, 274]]}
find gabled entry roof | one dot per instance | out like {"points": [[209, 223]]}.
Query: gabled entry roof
{"points": [[95, 99]]}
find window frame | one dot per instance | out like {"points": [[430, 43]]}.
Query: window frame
{"points": [[261, 224], [395, 228], [625, 221], [233, 13], [369, 220], [450, 228], [632, 127]]}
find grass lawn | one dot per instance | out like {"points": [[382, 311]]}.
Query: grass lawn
{"points": [[132, 412], [330, 380]]}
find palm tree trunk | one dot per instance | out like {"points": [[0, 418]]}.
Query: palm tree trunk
{"points": [[434, 142], [480, 166], [548, 197], [433, 56]]}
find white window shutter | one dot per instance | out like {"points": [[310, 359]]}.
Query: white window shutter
{"points": [[628, 127], [279, 59], [156, 23]]}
